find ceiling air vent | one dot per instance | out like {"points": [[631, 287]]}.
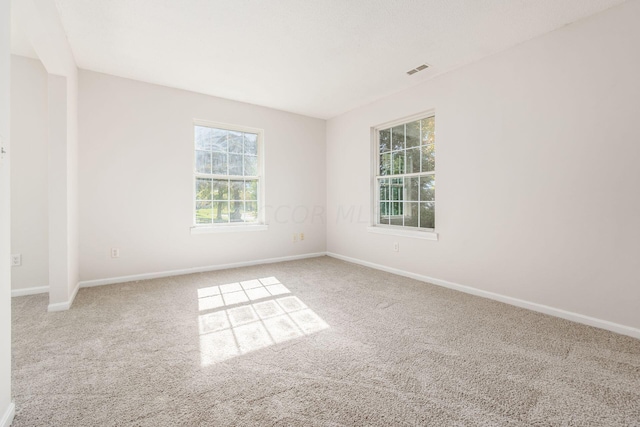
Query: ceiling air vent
{"points": [[418, 68]]}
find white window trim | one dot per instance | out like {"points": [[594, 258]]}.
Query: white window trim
{"points": [[228, 229], [259, 225], [394, 230]]}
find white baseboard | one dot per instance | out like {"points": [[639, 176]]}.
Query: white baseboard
{"points": [[575, 317], [7, 417], [62, 306], [147, 276], [29, 291]]}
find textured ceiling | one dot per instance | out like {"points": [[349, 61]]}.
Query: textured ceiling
{"points": [[319, 58]]}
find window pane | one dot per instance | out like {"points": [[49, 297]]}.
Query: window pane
{"points": [[203, 189], [251, 190], [427, 188], [427, 215], [219, 163], [203, 162], [385, 140], [428, 130], [385, 164], [396, 213], [383, 185], [413, 134], [398, 162], [250, 166], [236, 211], [384, 213], [411, 186], [235, 164], [220, 189], [251, 144], [220, 212], [411, 214], [237, 190], [413, 160], [428, 158], [235, 142], [219, 141], [250, 212], [397, 137], [397, 188], [203, 213], [203, 137]]}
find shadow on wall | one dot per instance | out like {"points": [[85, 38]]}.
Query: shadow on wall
{"points": [[247, 316]]}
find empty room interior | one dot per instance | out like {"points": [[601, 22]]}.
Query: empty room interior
{"points": [[225, 213]]}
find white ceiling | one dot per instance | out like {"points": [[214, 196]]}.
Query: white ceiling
{"points": [[20, 43], [317, 57]]}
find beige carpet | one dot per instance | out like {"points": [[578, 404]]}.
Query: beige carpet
{"points": [[317, 342]]}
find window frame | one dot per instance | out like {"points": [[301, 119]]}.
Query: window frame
{"points": [[398, 230], [259, 224]]}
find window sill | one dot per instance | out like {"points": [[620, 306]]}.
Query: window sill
{"points": [[426, 235], [229, 228]]}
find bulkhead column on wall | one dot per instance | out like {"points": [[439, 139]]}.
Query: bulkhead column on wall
{"points": [[58, 195]]}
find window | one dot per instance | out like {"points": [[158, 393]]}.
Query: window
{"points": [[405, 175], [227, 175]]}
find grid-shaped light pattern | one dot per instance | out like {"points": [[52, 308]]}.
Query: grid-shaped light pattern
{"points": [[246, 326], [236, 293]]}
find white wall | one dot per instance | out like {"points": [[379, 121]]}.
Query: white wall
{"points": [[29, 205], [6, 406], [537, 172], [135, 174]]}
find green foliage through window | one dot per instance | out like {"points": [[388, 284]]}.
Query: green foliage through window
{"points": [[406, 174], [226, 176]]}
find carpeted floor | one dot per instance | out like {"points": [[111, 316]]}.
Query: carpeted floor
{"points": [[318, 342]]}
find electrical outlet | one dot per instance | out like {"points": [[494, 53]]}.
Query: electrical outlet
{"points": [[295, 237], [115, 253], [16, 260], [396, 247], [301, 236]]}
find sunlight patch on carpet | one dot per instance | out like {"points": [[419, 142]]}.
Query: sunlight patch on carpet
{"points": [[263, 313]]}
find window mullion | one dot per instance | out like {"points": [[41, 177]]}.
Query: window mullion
{"points": [[406, 175], [218, 176]]}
